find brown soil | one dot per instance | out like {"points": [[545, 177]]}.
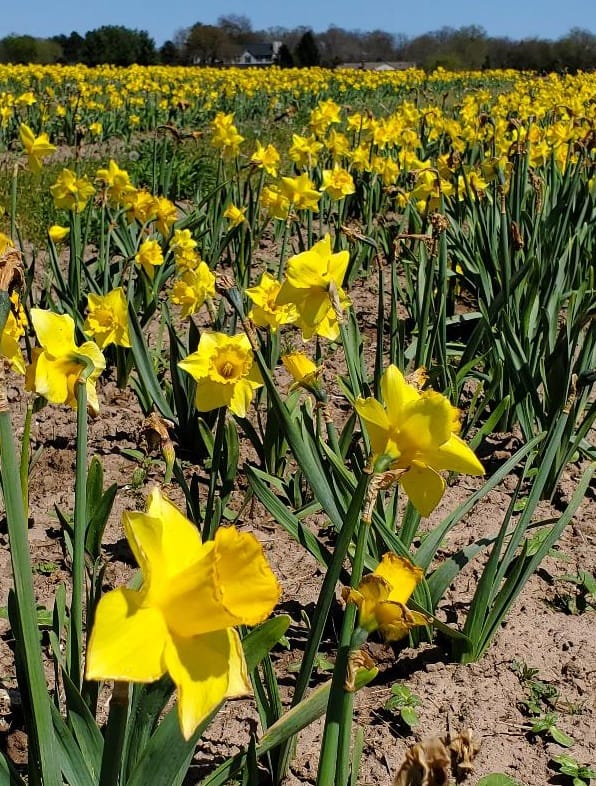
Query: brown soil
{"points": [[484, 696]]}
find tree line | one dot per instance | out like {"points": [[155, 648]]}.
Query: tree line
{"points": [[468, 47]]}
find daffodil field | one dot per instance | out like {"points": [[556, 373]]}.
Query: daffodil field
{"points": [[202, 238]]}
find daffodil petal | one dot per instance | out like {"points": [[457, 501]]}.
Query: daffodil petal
{"points": [[423, 486], [402, 575], [427, 422], [55, 332], [338, 264], [51, 378], [127, 641], [240, 563], [212, 395], [180, 541], [397, 393], [371, 591], [455, 456], [239, 683], [396, 620], [376, 422], [241, 398], [200, 667]]}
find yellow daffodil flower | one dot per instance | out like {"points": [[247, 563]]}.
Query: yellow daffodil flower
{"points": [[225, 135], [337, 182], [116, 182], [301, 192], [235, 215], [58, 233], [149, 256], [183, 246], [266, 312], [266, 158], [14, 329], [275, 203], [192, 289], [304, 372], [224, 371], [382, 595], [304, 150], [165, 215], [314, 285], [37, 148], [419, 432], [58, 363], [71, 192], [182, 619], [107, 318]]}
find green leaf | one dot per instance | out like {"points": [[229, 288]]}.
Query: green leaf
{"points": [[72, 762], [147, 378], [497, 779], [260, 641], [560, 737], [409, 716], [83, 725]]}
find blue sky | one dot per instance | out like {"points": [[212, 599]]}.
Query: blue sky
{"points": [[162, 18]]}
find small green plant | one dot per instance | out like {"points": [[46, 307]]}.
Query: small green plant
{"points": [[580, 775], [405, 702], [540, 695], [547, 725], [583, 598]]}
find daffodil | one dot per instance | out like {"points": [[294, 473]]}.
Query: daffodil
{"points": [[182, 619], [149, 256], [165, 215], [314, 285], [304, 150], [192, 289], [303, 371], [183, 246], [58, 364], [116, 182], [419, 432], [14, 329], [266, 158], [107, 318], [301, 192], [382, 595], [37, 148], [71, 192], [58, 233], [224, 371], [225, 135], [337, 182], [276, 203], [266, 312], [235, 215]]}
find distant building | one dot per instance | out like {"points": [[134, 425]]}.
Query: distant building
{"points": [[382, 65], [258, 54]]}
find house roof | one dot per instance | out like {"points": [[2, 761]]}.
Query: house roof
{"points": [[259, 50], [385, 65]]}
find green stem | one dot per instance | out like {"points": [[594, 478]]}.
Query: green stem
{"points": [[79, 527], [13, 202], [209, 526], [334, 764]]}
